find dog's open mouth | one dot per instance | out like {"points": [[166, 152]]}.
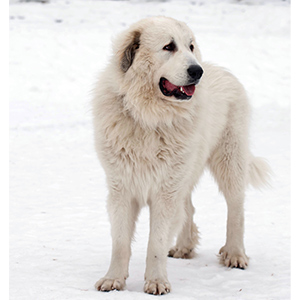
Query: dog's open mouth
{"points": [[184, 92]]}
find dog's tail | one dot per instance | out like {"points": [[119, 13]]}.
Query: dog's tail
{"points": [[259, 173]]}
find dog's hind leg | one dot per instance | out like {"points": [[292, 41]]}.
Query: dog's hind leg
{"points": [[229, 164], [123, 213], [188, 238]]}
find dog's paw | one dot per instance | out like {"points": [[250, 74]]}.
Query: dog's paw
{"points": [[233, 258], [181, 252], [107, 284], [157, 287]]}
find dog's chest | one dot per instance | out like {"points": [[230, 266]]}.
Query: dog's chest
{"points": [[149, 147], [144, 161], [138, 152]]}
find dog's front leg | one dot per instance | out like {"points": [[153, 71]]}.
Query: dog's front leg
{"points": [[123, 213], [163, 213]]}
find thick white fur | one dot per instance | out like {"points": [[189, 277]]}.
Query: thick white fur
{"points": [[154, 148]]}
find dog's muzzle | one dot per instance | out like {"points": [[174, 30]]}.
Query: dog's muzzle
{"points": [[183, 92]]}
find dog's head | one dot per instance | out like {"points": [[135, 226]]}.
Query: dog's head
{"points": [[158, 62]]}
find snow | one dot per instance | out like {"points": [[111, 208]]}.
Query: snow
{"points": [[59, 230]]}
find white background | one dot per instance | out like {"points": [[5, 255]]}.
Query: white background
{"points": [[59, 231]]}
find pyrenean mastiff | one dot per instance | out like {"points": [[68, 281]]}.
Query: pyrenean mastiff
{"points": [[161, 115]]}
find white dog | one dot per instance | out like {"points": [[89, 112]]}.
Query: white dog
{"points": [[161, 115]]}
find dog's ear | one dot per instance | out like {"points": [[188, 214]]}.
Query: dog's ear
{"points": [[130, 46]]}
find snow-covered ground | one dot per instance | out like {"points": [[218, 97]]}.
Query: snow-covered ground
{"points": [[59, 230]]}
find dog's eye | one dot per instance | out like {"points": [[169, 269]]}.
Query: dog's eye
{"points": [[192, 47], [170, 47]]}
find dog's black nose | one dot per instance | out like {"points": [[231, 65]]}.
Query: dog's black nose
{"points": [[195, 72]]}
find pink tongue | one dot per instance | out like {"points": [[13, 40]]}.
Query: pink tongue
{"points": [[169, 86], [189, 89]]}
